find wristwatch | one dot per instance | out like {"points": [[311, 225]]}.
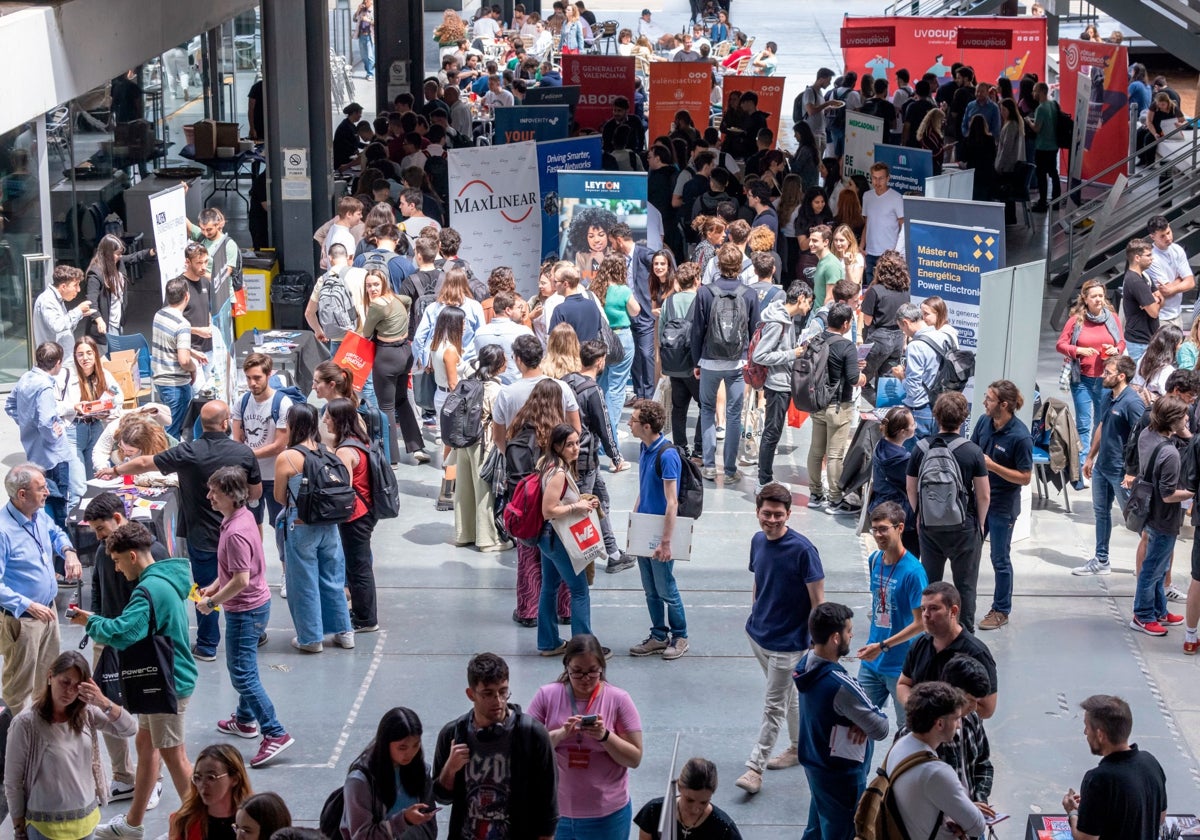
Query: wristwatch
{"points": [[208, 602], [883, 646]]}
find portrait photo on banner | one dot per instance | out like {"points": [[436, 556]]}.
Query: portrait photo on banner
{"points": [[590, 204]]}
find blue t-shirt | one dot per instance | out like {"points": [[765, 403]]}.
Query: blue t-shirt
{"points": [[897, 588], [782, 569], [1010, 446], [1118, 417], [650, 480]]}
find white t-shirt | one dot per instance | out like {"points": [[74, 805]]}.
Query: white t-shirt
{"points": [[259, 429], [883, 213], [487, 28], [1168, 266], [812, 96], [512, 397]]}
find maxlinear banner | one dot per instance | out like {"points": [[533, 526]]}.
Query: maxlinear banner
{"points": [[907, 168], [590, 203], [947, 260], [770, 97], [601, 79], [531, 122], [678, 86], [554, 156], [993, 46], [494, 198], [1107, 139]]}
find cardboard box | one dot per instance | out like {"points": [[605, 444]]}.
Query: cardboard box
{"points": [[123, 367], [210, 134]]}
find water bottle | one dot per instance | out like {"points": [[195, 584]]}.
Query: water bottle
{"points": [[257, 338]]}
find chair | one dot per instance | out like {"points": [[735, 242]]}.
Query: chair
{"points": [[723, 49], [608, 35], [1041, 474], [740, 68], [135, 341]]}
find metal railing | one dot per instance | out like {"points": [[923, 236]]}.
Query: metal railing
{"points": [[941, 8]]}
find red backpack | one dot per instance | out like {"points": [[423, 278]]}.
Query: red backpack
{"points": [[754, 373], [523, 514]]}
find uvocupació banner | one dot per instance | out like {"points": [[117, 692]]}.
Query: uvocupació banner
{"points": [[947, 260], [531, 122], [907, 168], [554, 156], [770, 96], [1106, 141], [678, 86], [863, 133], [601, 79], [494, 198], [590, 203], [993, 46]]}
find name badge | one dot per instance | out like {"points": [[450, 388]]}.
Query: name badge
{"points": [[578, 758]]}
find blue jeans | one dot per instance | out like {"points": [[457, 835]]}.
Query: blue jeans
{"points": [[1106, 486], [615, 379], [208, 627], [1134, 350], [662, 599], [923, 417], [833, 799], [177, 398], [1086, 394], [556, 569], [316, 579], [1000, 527], [366, 48], [58, 483], [868, 268], [76, 476], [613, 827], [1150, 598], [879, 687], [86, 436], [242, 631], [710, 381], [836, 137]]}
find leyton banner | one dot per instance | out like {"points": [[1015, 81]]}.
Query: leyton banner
{"points": [[590, 203], [770, 96], [493, 201], [678, 86], [554, 156], [947, 260], [1012, 46], [907, 168], [863, 133], [531, 122], [1107, 65], [601, 79]]}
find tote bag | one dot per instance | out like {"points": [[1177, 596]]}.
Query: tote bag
{"points": [[356, 355], [148, 671], [580, 534]]}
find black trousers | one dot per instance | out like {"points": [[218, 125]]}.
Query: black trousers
{"points": [[360, 572], [1046, 167], [684, 391], [643, 357], [962, 547], [777, 407], [393, 362]]}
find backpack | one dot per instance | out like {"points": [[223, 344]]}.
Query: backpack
{"points": [[335, 307], [941, 494], [728, 326], [836, 117], [282, 390], [811, 389], [754, 373], [589, 447], [326, 496], [521, 455], [461, 417], [955, 367], [373, 419], [523, 514], [877, 816], [385, 490], [1064, 127], [330, 822], [675, 342], [690, 490], [426, 283]]}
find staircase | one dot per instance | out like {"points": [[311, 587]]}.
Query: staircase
{"points": [[1174, 25]]}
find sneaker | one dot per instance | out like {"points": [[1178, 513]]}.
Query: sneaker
{"points": [[242, 730], [120, 791], [1095, 566], [430, 422], [421, 456], [841, 509], [117, 828], [1190, 648], [524, 622], [785, 759], [1170, 620], [1150, 628], [555, 651], [735, 476], [283, 590], [344, 640], [315, 647], [607, 651], [1174, 593], [367, 628], [155, 796], [648, 646], [262, 638], [622, 562], [817, 502], [709, 473], [497, 548], [677, 648], [750, 781], [994, 620], [203, 655], [720, 433], [271, 748]]}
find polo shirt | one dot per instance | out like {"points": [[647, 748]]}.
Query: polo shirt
{"points": [[170, 332], [925, 664], [1010, 446], [195, 461], [1119, 416], [651, 498], [1123, 796]]}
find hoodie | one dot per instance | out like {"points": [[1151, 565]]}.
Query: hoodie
{"points": [[776, 348], [830, 697], [166, 583]]}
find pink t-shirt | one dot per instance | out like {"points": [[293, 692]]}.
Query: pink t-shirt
{"points": [[590, 783], [239, 549]]}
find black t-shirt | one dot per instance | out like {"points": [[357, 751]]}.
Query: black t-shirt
{"points": [[716, 826], [1136, 293], [256, 93], [1123, 796], [221, 828], [923, 663], [196, 461], [882, 304], [842, 367], [970, 463], [915, 111], [197, 312]]}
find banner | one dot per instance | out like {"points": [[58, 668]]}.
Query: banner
{"points": [[947, 260], [168, 220], [601, 79], [770, 97], [590, 203], [554, 156], [531, 122], [494, 204], [562, 95], [678, 86], [1106, 67], [907, 168], [993, 46], [863, 134]]}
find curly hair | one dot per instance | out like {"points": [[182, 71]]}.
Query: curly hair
{"points": [[542, 411], [892, 272], [612, 273], [584, 219], [762, 239]]}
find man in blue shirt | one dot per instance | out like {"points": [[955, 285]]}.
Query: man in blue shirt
{"points": [[788, 582], [29, 541], [33, 405], [920, 368], [579, 308], [983, 105], [1008, 453], [658, 493]]}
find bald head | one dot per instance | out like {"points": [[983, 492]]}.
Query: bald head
{"points": [[213, 416]]}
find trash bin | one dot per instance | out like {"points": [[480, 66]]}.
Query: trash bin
{"points": [[289, 296]]}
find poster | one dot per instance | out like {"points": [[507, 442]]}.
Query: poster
{"points": [[907, 168], [993, 46], [554, 156], [947, 260], [562, 95], [601, 79], [1105, 67], [677, 86], [590, 203], [770, 97], [494, 199], [863, 134], [168, 215], [531, 122]]}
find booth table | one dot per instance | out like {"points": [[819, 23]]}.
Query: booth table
{"points": [[297, 352], [155, 507]]}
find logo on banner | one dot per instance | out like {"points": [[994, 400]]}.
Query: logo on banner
{"points": [[984, 39], [477, 203], [869, 36], [983, 247], [1072, 56], [602, 186]]}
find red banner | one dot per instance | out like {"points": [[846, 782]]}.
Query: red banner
{"points": [[1107, 139], [992, 46], [770, 95], [678, 86], [601, 79]]}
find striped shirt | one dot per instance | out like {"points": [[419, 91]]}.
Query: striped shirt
{"points": [[171, 333]]}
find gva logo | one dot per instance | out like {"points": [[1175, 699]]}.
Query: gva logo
{"points": [[602, 186]]}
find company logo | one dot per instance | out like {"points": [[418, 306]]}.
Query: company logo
{"points": [[705, 76], [984, 39], [902, 160], [484, 198], [1072, 56], [602, 186], [868, 36], [678, 94]]}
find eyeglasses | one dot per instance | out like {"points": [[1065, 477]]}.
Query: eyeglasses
{"points": [[881, 529], [493, 694], [207, 778], [591, 673], [772, 514]]}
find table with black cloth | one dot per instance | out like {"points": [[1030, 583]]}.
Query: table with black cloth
{"points": [[295, 351], [155, 507]]}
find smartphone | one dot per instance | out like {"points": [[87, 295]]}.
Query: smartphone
{"points": [[431, 809], [998, 818], [589, 720]]}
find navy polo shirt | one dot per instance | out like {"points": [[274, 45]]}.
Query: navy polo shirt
{"points": [[1118, 417], [1010, 446]]}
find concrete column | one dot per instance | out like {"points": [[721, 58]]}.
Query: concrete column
{"points": [[399, 52]]}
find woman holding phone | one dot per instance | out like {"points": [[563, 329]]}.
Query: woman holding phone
{"points": [[389, 793]]}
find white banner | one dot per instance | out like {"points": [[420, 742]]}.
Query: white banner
{"points": [[862, 133], [495, 207], [168, 217]]}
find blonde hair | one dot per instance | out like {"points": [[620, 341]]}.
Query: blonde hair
{"points": [[562, 352], [851, 239]]}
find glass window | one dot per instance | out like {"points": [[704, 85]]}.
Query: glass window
{"points": [[20, 234]]}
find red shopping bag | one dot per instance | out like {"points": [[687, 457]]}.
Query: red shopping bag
{"points": [[357, 355], [796, 417], [239, 303]]}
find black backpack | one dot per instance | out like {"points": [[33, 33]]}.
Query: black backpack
{"points": [[811, 389], [330, 821], [426, 282], [1064, 127], [461, 418], [385, 490], [521, 454], [675, 341], [326, 495], [836, 117], [691, 482], [955, 367], [589, 447], [728, 326]]}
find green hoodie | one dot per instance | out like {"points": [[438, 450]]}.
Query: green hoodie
{"points": [[168, 583]]}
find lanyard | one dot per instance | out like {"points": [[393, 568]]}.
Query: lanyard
{"points": [[30, 528], [591, 700], [883, 585]]}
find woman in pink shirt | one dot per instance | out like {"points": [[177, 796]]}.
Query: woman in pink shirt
{"points": [[597, 738]]}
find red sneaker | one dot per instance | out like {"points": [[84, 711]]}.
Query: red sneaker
{"points": [[1170, 620], [1190, 648], [1150, 628], [242, 730], [270, 748]]}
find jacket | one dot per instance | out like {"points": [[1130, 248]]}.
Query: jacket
{"points": [[830, 697], [1064, 439], [101, 297], [593, 416], [167, 583], [776, 348], [533, 777], [361, 817]]}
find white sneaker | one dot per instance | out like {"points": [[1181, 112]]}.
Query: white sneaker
{"points": [[117, 828], [1174, 593], [283, 590], [1092, 567], [155, 795], [344, 640], [120, 791]]}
